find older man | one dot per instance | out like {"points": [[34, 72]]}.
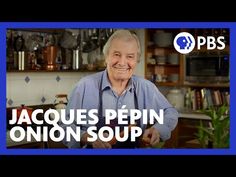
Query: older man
{"points": [[117, 86]]}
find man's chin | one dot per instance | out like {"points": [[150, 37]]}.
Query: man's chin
{"points": [[120, 77], [122, 72]]}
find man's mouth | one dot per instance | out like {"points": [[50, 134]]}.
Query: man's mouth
{"points": [[121, 69]]}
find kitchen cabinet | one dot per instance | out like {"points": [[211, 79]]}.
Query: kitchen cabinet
{"points": [[165, 67], [163, 64], [201, 73]]}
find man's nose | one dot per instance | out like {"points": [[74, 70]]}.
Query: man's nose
{"points": [[122, 60]]}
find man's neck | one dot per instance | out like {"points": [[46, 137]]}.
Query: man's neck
{"points": [[119, 85]]}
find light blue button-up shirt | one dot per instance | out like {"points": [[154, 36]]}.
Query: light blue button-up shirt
{"points": [[111, 100], [86, 96]]}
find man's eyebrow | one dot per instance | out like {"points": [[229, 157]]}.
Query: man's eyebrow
{"points": [[115, 51]]}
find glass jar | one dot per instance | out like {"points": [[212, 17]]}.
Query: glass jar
{"points": [[59, 103], [176, 98]]}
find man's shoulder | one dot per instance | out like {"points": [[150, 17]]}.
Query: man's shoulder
{"points": [[90, 79], [142, 82]]}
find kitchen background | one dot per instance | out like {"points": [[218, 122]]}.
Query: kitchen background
{"points": [[37, 87], [43, 66]]}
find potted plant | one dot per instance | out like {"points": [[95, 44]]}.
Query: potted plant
{"points": [[216, 135]]}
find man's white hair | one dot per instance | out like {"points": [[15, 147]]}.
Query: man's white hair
{"points": [[124, 34]]}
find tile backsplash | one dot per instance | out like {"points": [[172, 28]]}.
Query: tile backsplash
{"points": [[39, 88]]}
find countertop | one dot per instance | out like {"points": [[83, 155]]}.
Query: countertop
{"points": [[193, 115]]}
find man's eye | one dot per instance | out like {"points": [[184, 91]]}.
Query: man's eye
{"points": [[130, 57], [116, 54]]}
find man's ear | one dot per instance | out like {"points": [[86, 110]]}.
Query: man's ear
{"points": [[105, 62]]}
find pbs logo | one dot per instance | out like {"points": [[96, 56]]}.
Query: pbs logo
{"points": [[184, 42]]}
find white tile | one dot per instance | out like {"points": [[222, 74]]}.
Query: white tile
{"points": [[50, 90], [64, 87], [16, 76], [32, 91], [8, 89], [40, 84], [18, 90]]}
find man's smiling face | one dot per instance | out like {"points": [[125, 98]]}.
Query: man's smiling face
{"points": [[122, 58]]}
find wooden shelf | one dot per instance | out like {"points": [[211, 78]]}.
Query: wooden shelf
{"points": [[164, 69], [218, 85], [154, 46], [169, 69], [164, 64], [204, 49], [48, 71], [167, 83]]}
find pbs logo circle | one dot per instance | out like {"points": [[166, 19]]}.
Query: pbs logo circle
{"points": [[184, 42]]}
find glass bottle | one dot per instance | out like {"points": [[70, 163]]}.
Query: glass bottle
{"points": [[176, 98]]}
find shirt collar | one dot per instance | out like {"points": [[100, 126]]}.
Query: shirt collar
{"points": [[106, 83]]}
